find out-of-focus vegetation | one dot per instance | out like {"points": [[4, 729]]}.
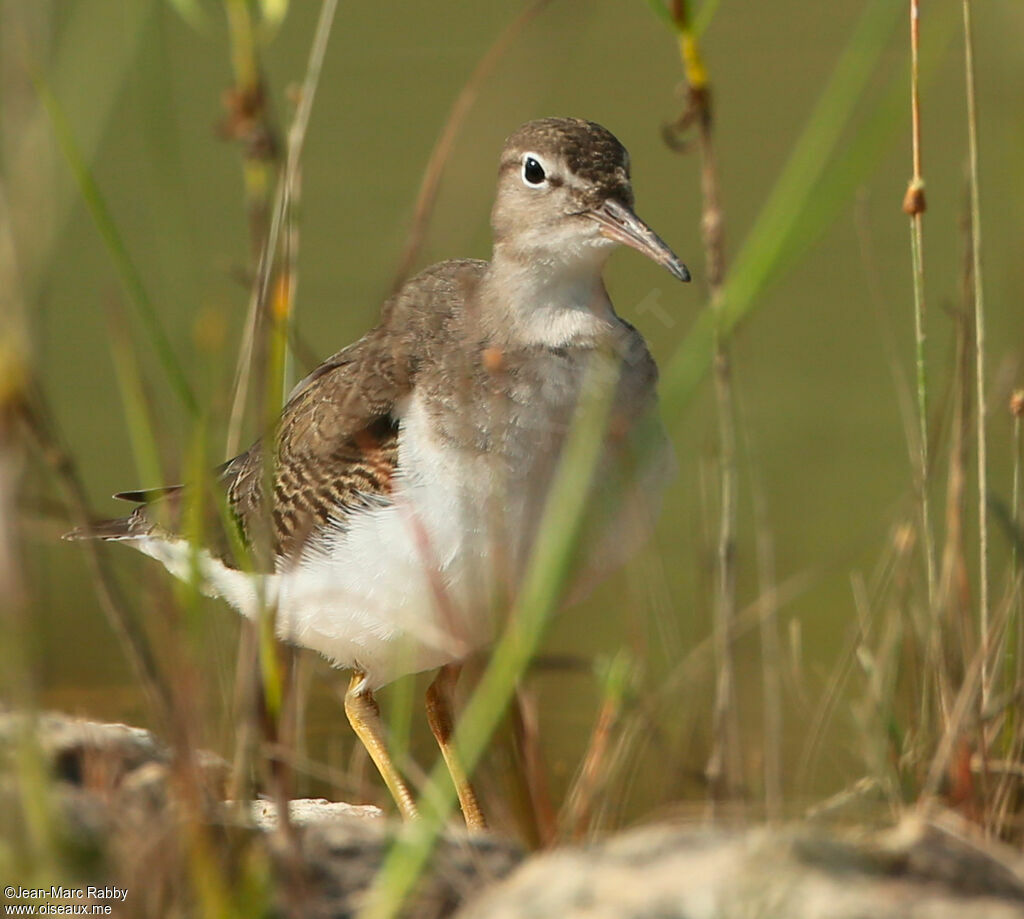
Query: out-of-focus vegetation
{"points": [[140, 145]]}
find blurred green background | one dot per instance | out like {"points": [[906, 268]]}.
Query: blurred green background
{"points": [[821, 364]]}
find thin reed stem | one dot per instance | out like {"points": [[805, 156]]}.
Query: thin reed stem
{"points": [[768, 631], [596, 766], [723, 768], [1016, 587], [543, 821], [249, 120], [263, 354], [979, 359], [286, 191], [914, 206], [947, 652], [961, 716]]}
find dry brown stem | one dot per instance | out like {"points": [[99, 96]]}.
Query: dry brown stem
{"points": [[724, 770]]}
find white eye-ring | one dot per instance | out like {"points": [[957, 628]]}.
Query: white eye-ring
{"points": [[534, 173]]}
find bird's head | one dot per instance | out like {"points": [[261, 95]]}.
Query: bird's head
{"points": [[565, 198]]}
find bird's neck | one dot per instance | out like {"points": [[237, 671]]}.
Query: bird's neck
{"points": [[540, 298]]}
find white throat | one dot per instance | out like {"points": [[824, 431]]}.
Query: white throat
{"points": [[550, 303]]}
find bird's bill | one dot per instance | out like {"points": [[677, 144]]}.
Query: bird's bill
{"points": [[619, 223]]}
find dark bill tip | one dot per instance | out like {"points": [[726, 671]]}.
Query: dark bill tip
{"points": [[618, 222], [679, 270]]}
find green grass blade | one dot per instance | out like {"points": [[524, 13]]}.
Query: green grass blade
{"points": [[141, 431]]}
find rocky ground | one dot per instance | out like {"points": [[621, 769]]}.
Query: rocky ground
{"points": [[125, 821]]}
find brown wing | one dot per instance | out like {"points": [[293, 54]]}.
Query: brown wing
{"points": [[336, 452]]}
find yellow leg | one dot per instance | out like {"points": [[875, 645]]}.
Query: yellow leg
{"points": [[440, 696], [364, 716]]}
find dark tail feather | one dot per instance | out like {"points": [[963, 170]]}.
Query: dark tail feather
{"points": [[147, 495], [131, 527]]}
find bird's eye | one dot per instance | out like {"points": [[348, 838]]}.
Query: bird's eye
{"points": [[533, 172]]}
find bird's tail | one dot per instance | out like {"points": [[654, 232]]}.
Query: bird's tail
{"points": [[134, 526]]}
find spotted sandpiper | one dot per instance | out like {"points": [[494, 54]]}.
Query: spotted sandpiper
{"points": [[410, 469]]}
